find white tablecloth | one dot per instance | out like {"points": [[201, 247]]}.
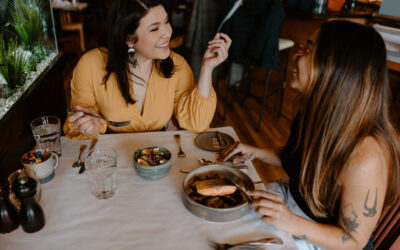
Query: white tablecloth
{"points": [[142, 214]]}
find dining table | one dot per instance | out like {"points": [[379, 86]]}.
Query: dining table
{"points": [[142, 214]]}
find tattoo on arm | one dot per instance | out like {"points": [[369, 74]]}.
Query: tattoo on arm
{"points": [[350, 222], [370, 211], [345, 237]]}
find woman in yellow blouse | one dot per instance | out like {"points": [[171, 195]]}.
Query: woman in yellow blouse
{"points": [[134, 76]]}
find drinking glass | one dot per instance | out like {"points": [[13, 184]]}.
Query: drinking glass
{"points": [[101, 165], [46, 131]]}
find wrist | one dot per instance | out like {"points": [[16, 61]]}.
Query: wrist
{"points": [[296, 228], [206, 68]]}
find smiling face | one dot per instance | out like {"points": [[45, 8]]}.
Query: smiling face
{"points": [[152, 35], [301, 74]]}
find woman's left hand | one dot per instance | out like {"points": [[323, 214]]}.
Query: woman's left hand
{"points": [[217, 51], [273, 209]]}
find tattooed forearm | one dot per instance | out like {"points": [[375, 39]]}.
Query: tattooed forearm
{"points": [[345, 237], [301, 237], [350, 222], [370, 211]]}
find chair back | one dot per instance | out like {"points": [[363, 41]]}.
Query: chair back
{"points": [[388, 231]]}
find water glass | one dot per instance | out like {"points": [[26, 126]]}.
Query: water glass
{"points": [[101, 167], [46, 131]]}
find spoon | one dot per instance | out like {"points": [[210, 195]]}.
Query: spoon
{"points": [[78, 162]]}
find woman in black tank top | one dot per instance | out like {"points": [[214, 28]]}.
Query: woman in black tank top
{"points": [[342, 156]]}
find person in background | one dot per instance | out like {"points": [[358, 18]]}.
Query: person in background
{"points": [[134, 76], [343, 153]]}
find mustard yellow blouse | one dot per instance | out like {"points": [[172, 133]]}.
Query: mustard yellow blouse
{"points": [[164, 96]]}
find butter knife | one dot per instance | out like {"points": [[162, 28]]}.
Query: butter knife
{"points": [[92, 145], [235, 6], [219, 139]]}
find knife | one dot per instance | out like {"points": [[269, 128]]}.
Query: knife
{"points": [[235, 6], [219, 139], [92, 145]]}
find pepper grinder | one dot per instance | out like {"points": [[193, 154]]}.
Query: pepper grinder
{"points": [[8, 213], [31, 215]]}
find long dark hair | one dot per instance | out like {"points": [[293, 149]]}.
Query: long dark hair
{"points": [[345, 101], [123, 20]]}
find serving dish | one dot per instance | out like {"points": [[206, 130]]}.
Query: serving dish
{"points": [[211, 213]]}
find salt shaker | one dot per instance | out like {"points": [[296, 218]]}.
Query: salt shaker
{"points": [[8, 213], [31, 215]]}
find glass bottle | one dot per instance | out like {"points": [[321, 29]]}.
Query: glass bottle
{"points": [[319, 6], [8, 213]]}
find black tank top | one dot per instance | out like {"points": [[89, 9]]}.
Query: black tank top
{"points": [[291, 163]]}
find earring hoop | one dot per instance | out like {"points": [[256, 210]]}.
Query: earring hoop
{"points": [[131, 50]]}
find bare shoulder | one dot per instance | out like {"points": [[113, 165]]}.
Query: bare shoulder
{"points": [[364, 186], [368, 160]]}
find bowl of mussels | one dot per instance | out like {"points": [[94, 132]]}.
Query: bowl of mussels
{"points": [[209, 194], [152, 162]]}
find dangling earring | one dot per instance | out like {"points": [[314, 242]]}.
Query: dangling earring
{"points": [[131, 57]]}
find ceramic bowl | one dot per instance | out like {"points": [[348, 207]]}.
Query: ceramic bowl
{"points": [[152, 172]]}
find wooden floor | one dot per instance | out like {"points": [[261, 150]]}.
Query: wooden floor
{"points": [[243, 117]]}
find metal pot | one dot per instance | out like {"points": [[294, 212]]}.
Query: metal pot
{"points": [[216, 214]]}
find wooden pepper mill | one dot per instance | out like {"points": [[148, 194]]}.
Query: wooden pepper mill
{"points": [[8, 213], [31, 216]]}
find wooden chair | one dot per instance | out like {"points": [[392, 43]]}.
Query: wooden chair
{"points": [[66, 37], [284, 46], [68, 25], [387, 233]]}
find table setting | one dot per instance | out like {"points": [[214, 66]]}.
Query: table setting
{"points": [[141, 212]]}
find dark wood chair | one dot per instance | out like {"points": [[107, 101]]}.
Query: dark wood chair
{"points": [[65, 37], [387, 233]]}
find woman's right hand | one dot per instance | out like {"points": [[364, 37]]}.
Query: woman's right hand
{"points": [[237, 153], [85, 124]]}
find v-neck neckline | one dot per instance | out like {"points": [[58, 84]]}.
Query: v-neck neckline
{"points": [[148, 88]]}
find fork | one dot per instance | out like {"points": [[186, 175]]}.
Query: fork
{"points": [[181, 154], [255, 244], [112, 123], [91, 148]]}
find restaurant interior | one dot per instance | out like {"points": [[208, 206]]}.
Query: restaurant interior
{"points": [[259, 104]]}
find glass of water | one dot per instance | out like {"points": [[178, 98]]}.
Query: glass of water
{"points": [[101, 165], [46, 131]]}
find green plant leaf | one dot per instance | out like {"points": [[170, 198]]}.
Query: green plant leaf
{"points": [[12, 63], [27, 22]]}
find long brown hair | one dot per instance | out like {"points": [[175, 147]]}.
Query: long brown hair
{"points": [[123, 19], [346, 101]]}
